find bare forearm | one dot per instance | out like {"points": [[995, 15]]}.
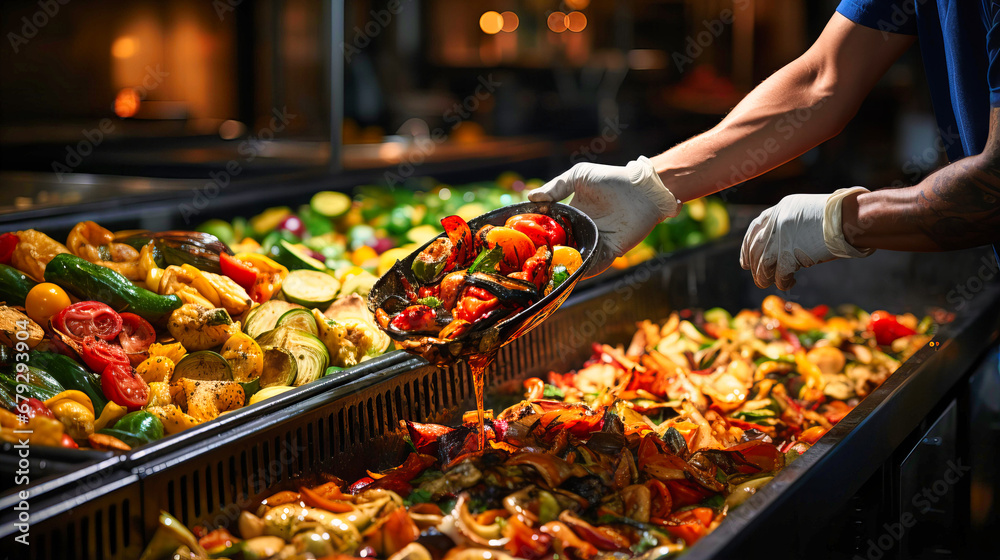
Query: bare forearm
{"points": [[803, 104], [955, 208], [785, 116]]}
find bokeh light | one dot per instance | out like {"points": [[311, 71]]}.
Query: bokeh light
{"points": [[578, 4], [510, 21], [491, 22], [576, 21], [557, 22], [123, 47], [127, 103]]}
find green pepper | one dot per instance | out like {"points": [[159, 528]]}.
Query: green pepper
{"points": [[136, 428], [89, 281], [559, 275], [431, 262]]}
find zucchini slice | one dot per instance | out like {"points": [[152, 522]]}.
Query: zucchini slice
{"points": [[269, 392], [310, 288], [286, 253], [301, 319], [204, 365], [330, 204], [280, 368], [266, 317], [310, 354]]}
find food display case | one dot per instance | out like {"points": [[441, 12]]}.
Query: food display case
{"points": [[857, 471]]}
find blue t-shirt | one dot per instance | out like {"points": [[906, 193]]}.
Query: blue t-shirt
{"points": [[960, 44]]}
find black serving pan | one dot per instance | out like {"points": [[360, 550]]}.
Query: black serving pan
{"points": [[488, 340]]}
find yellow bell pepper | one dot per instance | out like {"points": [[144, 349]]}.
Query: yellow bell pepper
{"points": [[77, 419], [795, 318], [159, 394], [156, 368], [175, 351], [174, 420], [148, 268], [44, 431], [111, 414], [78, 396]]}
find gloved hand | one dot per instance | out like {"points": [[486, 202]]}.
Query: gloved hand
{"points": [[800, 231], [625, 203]]}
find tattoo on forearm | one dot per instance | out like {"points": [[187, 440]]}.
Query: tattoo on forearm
{"points": [[961, 202]]}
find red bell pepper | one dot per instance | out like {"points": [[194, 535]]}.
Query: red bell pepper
{"points": [[8, 242], [237, 270], [540, 229], [887, 328]]}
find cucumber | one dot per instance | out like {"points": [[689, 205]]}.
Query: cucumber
{"points": [[266, 316], [8, 399], [310, 354], [330, 204], [204, 365], [70, 375], [301, 319], [26, 390], [89, 281], [310, 288], [280, 368], [14, 285], [286, 253]]}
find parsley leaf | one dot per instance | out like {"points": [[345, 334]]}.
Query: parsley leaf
{"points": [[553, 392], [487, 260], [430, 301]]}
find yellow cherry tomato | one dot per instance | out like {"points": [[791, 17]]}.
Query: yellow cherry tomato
{"points": [[568, 257], [44, 301]]}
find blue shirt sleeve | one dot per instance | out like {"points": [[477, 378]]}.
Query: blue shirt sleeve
{"points": [[993, 52], [889, 16]]}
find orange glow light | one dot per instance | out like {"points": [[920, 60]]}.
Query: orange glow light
{"points": [[123, 47], [127, 103], [557, 22], [491, 22], [510, 21], [578, 4], [576, 22]]}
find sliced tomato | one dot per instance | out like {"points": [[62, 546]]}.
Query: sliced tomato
{"points": [[88, 318], [99, 354], [30, 408], [460, 234], [137, 334], [122, 386]]}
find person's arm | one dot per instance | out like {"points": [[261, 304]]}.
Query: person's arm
{"points": [[956, 207], [805, 103]]}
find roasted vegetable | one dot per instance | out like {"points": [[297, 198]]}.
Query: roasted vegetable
{"points": [[95, 244], [310, 288], [136, 428], [198, 249], [245, 357], [33, 253], [200, 328], [203, 365], [12, 323], [311, 356], [70, 375], [265, 317], [205, 400], [14, 285], [94, 282]]}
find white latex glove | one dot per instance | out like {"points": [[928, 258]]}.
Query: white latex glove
{"points": [[625, 203], [800, 231]]}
